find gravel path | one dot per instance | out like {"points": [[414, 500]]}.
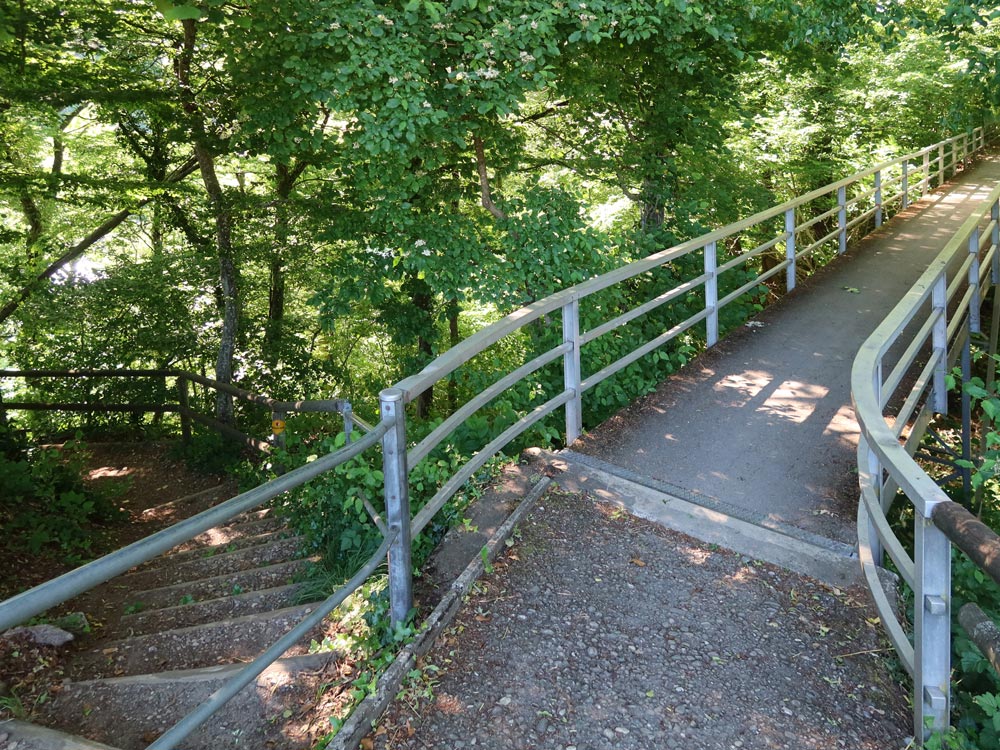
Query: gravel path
{"points": [[597, 631]]}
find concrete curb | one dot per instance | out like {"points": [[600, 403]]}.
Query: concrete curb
{"points": [[360, 722], [710, 525], [33, 737]]}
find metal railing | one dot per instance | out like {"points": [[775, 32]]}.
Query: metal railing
{"points": [[181, 380], [898, 383], [787, 230]]}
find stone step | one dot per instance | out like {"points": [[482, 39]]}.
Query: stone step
{"points": [[20, 735], [212, 550], [211, 610], [189, 505], [134, 711], [217, 586], [252, 523], [238, 639], [224, 563]]}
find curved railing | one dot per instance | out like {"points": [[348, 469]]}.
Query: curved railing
{"points": [[853, 203], [898, 383]]}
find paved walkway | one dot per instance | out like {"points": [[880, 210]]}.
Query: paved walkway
{"points": [[763, 422], [600, 631]]}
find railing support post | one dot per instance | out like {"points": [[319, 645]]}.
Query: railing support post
{"points": [[397, 504], [975, 304], [967, 417], [184, 405], [842, 218], [571, 370], [941, 175], [711, 294], [939, 343], [905, 184], [878, 199], [348, 415], [995, 242], [790, 249], [925, 182], [932, 627]]}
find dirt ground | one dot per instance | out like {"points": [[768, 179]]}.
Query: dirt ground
{"points": [[153, 474]]}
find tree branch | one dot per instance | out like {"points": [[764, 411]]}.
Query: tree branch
{"points": [[104, 229], [484, 179]]}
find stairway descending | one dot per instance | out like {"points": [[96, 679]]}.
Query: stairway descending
{"points": [[170, 633]]}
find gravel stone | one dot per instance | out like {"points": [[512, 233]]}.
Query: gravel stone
{"points": [[705, 650]]}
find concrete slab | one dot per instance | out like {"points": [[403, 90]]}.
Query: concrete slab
{"points": [[764, 421], [789, 550]]}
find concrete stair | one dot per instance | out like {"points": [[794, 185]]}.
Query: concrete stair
{"points": [[191, 619]]}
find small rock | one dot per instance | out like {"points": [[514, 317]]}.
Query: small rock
{"points": [[41, 635], [505, 701]]}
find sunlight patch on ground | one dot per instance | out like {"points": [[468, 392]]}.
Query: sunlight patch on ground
{"points": [[794, 401], [108, 471], [844, 425], [746, 385]]}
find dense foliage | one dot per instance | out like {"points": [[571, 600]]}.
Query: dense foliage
{"points": [[312, 198]]}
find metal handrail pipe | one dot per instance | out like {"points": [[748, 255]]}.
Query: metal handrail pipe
{"points": [[643, 350], [595, 333], [458, 355], [183, 729], [859, 219], [956, 325], [39, 406], [229, 431], [818, 243], [892, 199], [422, 449], [907, 358], [105, 373], [754, 282], [891, 545], [744, 257], [913, 398], [961, 277], [474, 464], [33, 602], [897, 635], [977, 540], [817, 219]]}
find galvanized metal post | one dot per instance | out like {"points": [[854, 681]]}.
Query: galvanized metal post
{"points": [[966, 418], [932, 626], [975, 304], [939, 342], [184, 404], [711, 294], [790, 249], [995, 241], [571, 370], [905, 184], [842, 218], [878, 199], [925, 183], [347, 413], [397, 504], [941, 176]]}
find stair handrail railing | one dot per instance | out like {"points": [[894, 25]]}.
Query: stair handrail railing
{"points": [[279, 409], [898, 383], [868, 204]]}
